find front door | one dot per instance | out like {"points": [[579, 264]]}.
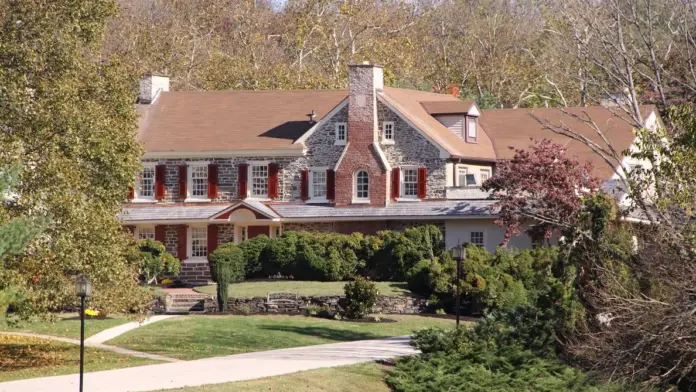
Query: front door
{"points": [[254, 231]]}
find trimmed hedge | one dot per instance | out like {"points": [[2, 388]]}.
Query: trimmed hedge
{"points": [[227, 265]]}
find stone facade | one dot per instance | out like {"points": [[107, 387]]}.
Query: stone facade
{"points": [[410, 148], [171, 238], [257, 305], [315, 227], [195, 272], [225, 234]]}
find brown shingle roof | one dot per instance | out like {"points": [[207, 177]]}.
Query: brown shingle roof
{"points": [[515, 127], [447, 107], [188, 121], [408, 103]]}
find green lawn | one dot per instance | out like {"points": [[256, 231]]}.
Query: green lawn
{"points": [[303, 288], [23, 357], [365, 377], [68, 325], [193, 337]]}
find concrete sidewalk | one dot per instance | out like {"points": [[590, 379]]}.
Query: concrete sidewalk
{"points": [[221, 369]]}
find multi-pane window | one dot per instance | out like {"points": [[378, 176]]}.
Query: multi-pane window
{"points": [[362, 185], [410, 182], [259, 180], [199, 181], [464, 178], [318, 184], [477, 238], [199, 242], [341, 133], [145, 233], [146, 183], [485, 174], [388, 130]]}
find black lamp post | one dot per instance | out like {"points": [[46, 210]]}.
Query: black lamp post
{"points": [[83, 289], [459, 254]]}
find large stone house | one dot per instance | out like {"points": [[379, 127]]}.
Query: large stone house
{"points": [[226, 166]]}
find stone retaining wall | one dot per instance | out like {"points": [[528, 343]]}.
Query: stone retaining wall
{"points": [[257, 305]]}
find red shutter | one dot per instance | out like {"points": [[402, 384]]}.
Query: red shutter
{"points": [[396, 183], [330, 184], [129, 229], [183, 182], [160, 171], [272, 180], [304, 184], [159, 233], [242, 192], [422, 180], [131, 193], [181, 242], [212, 238], [212, 181]]}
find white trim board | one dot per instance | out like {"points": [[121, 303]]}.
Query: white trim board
{"points": [[302, 139]]}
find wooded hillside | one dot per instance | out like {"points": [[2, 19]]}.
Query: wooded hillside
{"points": [[501, 53]]}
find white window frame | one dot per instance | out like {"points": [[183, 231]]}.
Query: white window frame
{"points": [[312, 198], [483, 238], [341, 142], [138, 197], [467, 173], [250, 179], [485, 172], [469, 128], [138, 232], [189, 181], [189, 243], [386, 140], [356, 199], [403, 183]]}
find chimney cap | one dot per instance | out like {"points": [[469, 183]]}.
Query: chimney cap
{"points": [[365, 64]]}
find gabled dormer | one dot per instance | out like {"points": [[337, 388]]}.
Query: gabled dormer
{"points": [[461, 117]]}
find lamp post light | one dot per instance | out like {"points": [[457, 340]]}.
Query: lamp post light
{"points": [[458, 254], [83, 289]]}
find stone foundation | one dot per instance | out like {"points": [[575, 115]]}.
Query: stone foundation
{"points": [[195, 272], [259, 305]]}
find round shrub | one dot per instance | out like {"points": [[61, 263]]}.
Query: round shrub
{"points": [[360, 298], [154, 260], [226, 265], [252, 251]]}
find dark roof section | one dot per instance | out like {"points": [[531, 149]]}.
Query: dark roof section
{"points": [[441, 209], [447, 107], [201, 121]]}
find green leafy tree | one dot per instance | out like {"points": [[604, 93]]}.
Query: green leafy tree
{"points": [[154, 260], [67, 113], [227, 264]]}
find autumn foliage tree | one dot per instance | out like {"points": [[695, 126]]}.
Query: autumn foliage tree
{"points": [[542, 187]]}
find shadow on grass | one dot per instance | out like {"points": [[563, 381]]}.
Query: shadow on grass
{"points": [[20, 356], [402, 290], [323, 332]]}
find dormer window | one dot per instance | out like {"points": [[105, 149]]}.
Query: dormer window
{"points": [[388, 132], [471, 130], [341, 134]]}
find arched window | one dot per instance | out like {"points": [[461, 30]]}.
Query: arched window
{"points": [[362, 185]]}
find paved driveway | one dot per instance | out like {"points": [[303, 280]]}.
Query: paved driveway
{"points": [[220, 369]]}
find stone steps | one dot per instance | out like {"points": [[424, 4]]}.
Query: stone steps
{"points": [[185, 303]]}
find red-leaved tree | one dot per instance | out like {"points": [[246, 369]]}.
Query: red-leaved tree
{"points": [[542, 187]]}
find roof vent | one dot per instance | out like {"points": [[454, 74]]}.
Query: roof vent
{"points": [[311, 116]]}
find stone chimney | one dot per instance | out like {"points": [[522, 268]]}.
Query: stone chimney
{"points": [[365, 82], [151, 86]]}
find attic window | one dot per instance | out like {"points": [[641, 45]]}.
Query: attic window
{"points": [[341, 133], [471, 129], [388, 132]]}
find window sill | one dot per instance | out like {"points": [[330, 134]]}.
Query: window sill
{"points": [[388, 142], [317, 201], [408, 199], [359, 201], [192, 200], [196, 260], [257, 198], [143, 200], [340, 143]]}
